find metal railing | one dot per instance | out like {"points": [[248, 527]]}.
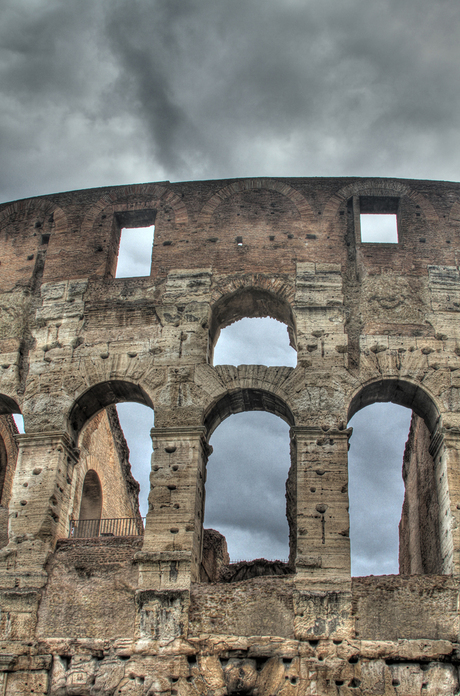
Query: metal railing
{"points": [[118, 526]]}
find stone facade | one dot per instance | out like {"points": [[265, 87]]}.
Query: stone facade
{"points": [[161, 612]]}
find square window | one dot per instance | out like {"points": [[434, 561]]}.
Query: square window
{"points": [[135, 252], [379, 228]]}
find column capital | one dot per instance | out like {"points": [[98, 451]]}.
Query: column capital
{"points": [[310, 432], [186, 431], [179, 431], [443, 435], [48, 437]]}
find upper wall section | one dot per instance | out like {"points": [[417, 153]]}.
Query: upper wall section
{"points": [[233, 226]]}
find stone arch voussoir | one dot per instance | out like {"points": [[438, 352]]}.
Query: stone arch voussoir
{"points": [[280, 286], [231, 390], [112, 381], [402, 391]]}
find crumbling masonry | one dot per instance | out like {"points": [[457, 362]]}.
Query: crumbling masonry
{"points": [[159, 611]]}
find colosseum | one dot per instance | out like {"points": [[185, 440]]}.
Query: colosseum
{"points": [[117, 605]]}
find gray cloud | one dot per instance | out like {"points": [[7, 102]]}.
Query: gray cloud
{"points": [[119, 91]]}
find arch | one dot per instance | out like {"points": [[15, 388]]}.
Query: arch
{"points": [[241, 185], [41, 206], [376, 187], [454, 215], [243, 399], [398, 391], [8, 405], [102, 395], [247, 399], [422, 524], [91, 497], [251, 301], [124, 197]]}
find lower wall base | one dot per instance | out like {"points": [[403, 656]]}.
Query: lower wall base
{"points": [[92, 632], [226, 665]]}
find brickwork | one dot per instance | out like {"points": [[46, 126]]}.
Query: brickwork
{"points": [[369, 322]]}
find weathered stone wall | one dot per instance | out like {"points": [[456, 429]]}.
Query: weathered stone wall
{"points": [[370, 322], [419, 547]]}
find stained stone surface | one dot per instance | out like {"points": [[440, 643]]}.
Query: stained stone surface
{"points": [[160, 610]]}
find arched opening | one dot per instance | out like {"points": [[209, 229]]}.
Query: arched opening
{"points": [[394, 512], [257, 334], [90, 506], [257, 341], [9, 411], [104, 449], [250, 483], [91, 497]]}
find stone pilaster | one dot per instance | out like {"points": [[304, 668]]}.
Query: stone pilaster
{"points": [[323, 545], [39, 504], [445, 450], [171, 554]]}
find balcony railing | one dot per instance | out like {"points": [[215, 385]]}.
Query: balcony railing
{"points": [[116, 527]]}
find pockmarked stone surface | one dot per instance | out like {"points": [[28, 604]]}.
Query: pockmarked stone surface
{"points": [[96, 601]]}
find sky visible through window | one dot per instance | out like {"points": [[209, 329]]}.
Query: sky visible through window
{"points": [[135, 252], [380, 228]]}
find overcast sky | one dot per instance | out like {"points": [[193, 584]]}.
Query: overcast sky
{"points": [[108, 92]]}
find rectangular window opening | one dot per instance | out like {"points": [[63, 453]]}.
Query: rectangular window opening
{"points": [[379, 228], [135, 252]]}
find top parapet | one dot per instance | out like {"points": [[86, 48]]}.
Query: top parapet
{"points": [[257, 225]]}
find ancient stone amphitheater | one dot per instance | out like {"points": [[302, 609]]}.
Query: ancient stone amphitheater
{"points": [[116, 608]]}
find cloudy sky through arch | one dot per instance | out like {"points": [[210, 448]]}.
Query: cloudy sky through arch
{"points": [[108, 92]]}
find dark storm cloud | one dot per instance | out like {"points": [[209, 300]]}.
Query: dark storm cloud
{"points": [[351, 87], [117, 91]]}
